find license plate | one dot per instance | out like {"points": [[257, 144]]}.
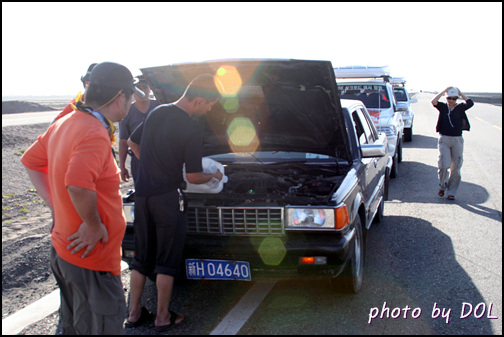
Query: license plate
{"points": [[217, 270]]}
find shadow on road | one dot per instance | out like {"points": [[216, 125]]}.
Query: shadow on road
{"points": [[422, 142], [419, 260], [418, 183], [409, 263]]}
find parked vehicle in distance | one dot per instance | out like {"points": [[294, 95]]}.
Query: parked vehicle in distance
{"points": [[371, 86], [404, 101], [307, 174]]}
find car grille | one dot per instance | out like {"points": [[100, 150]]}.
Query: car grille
{"points": [[235, 221]]}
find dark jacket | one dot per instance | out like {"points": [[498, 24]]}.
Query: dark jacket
{"points": [[452, 123]]}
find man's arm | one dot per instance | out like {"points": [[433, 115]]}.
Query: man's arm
{"points": [[123, 154], [134, 147], [134, 140], [40, 181], [464, 97], [202, 178], [435, 100], [92, 229]]}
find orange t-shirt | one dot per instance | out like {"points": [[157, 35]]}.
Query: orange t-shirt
{"points": [[67, 109], [76, 150]]}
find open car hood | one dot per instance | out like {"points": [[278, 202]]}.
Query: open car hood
{"points": [[266, 105]]}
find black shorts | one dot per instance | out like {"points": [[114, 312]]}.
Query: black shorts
{"points": [[160, 233]]}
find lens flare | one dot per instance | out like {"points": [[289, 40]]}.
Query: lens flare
{"points": [[272, 251], [231, 83], [230, 104], [230, 79], [242, 135]]}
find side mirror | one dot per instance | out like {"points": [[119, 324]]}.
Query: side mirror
{"points": [[377, 149], [413, 100], [373, 150]]}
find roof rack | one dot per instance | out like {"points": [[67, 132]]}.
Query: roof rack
{"points": [[398, 81], [363, 72]]}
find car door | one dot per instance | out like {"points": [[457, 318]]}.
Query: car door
{"points": [[367, 134]]}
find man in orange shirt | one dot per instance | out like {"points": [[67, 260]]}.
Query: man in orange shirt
{"points": [[72, 167]]}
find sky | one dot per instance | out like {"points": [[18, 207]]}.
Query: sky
{"points": [[47, 47]]}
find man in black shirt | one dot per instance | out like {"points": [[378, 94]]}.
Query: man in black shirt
{"points": [[452, 121], [168, 138]]}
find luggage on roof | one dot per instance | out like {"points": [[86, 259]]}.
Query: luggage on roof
{"points": [[362, 72], [397, 81]]}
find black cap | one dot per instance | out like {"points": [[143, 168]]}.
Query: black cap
{"points": [[115, 76], [85, 78]]}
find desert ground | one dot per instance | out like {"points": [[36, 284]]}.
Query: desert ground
{"points": [[26, 221]]}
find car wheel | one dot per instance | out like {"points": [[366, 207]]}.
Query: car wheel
{"points": [[350, 280], [399, 150], [395, 167], [387, 185], [408, 134], [379, 213]]}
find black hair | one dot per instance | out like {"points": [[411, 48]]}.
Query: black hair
{"points": [[203, 86]]}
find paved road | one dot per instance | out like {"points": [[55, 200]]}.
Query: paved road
{"points": [[27, 118], [428, 253], [428, 263]]}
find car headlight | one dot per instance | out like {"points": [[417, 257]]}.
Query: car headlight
{"points": [[317, 218], [390, 131], [129, 212]]}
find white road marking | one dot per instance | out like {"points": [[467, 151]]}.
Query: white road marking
{"points": [[15, 323], [234, 320]]}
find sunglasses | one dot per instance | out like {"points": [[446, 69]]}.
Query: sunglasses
{"points": [[452, 98]]}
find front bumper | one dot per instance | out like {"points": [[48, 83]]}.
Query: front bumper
{"points": [[408, 122], [276, 257], [392, 141]]}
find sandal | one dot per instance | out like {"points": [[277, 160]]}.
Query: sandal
{"points": [[173, 319], [451, 197], [440, 193], [145, 316]]}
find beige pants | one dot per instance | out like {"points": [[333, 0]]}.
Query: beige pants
{"points": [[450, 161]]}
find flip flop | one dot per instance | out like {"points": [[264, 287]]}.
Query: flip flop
{"points": [[173, 319], [145, 316], [440, 193]]}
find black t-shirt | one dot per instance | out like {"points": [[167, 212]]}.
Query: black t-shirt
{"points": [[168, 138], [451, 123]]}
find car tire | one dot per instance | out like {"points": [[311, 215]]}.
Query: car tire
{"points": [[350, 280], [394, 172], [379, 213], [399, 150], [408, 134], [387, 185]]}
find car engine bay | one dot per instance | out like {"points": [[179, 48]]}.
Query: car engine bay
{"points": [[273, 185]]}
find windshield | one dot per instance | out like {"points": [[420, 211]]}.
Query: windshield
{"points": [[373, 96], [400, 94]]}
